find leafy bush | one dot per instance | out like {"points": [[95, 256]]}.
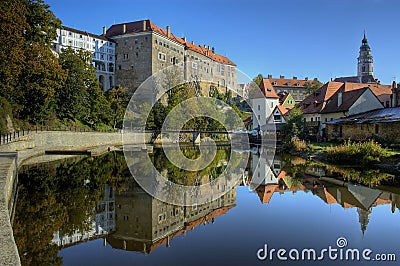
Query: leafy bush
{"points": [[365, 153], [295, 144]]}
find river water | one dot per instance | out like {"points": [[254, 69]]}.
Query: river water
{"points": [[91, 211]]}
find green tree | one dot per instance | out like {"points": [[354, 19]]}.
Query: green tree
{"points": [[312, 86], [295, 126], [30, 73], [81, 97], [118, 99], [258, 79]]}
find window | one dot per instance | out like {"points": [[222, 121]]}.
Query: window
{"points": [[126, 42], [272, 104], [162, 56], [259, 117], [126, 56], [194, 65], [277, 118], [259, 107], [136, 41], [376, 129]]}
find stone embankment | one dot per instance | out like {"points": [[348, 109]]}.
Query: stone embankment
{"points": [[14, 154]]}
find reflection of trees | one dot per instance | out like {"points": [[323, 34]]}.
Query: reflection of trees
{"points": [[179, 176], [60, 196], [296, 167]]}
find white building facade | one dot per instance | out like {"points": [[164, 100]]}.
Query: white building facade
{"points": [[102, 49]]}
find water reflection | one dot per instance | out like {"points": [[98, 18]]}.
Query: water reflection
{"points": [[66, 205], [143, 223], [291, 174]]}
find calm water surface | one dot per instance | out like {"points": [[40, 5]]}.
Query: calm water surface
{"points": [[90, 211]]}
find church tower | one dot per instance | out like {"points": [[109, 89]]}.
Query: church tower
{"points": [[365, 61]]}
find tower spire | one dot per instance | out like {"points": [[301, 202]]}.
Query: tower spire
{"points": [[365, 66]]}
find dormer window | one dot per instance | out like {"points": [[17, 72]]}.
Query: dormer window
{"points": [[297, 84], [288, 83], [274, 83]]}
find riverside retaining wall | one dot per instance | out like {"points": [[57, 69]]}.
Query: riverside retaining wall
{"points": [[13, 154]]}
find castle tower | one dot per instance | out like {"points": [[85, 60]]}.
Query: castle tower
{"points": [[365, 60]]}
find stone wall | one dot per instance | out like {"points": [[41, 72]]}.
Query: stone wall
{"points": [[8, 249], [385, 131], [37, 143]]}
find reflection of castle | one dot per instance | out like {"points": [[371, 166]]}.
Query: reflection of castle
{"points": [[143, 223], [273, 179], [101, 224]]}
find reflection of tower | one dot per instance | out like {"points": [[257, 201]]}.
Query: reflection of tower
{"points": [[363, 218]]}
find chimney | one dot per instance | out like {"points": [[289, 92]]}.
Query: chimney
{"points": [[306, 78], [294, 77], [168, 31], [192, 42], [104, 30], [144, 25], [123, 29], [269, 76], [208, 47], [212, 49], [282, 77], [184, 39]]}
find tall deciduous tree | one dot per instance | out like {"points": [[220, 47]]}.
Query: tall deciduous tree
{"points": [[118, 99], [81, 97], [29, 74]]}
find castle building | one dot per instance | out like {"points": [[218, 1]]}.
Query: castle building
{"points": [[102, 48], [143, 49]]}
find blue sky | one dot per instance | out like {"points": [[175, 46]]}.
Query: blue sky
{"points": [[309, 38]]}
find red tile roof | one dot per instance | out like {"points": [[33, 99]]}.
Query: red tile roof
{"points": [[148, 25], [316, 102], [348, 99], [284, 109], [267, 90], [281, 82]]}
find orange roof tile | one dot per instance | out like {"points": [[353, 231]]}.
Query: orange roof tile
{"points": [[316, 102], [281, 82], [267, 89], [148, 25], [284, 109]]}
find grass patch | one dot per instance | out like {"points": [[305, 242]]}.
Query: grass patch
{"points": [[362, 153]]}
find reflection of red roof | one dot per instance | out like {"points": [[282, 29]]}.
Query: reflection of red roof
{"points": [[265, 193], [283, 174], [148, 25]]}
